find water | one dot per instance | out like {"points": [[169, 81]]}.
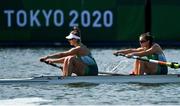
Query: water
{"points": [[24, 62]]}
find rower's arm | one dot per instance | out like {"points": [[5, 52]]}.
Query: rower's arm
{"points": [[73, 51], [154, 49], [56, 55], [126, 51]]}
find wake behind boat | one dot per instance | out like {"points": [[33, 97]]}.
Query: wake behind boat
{"points": [[147, 79]]}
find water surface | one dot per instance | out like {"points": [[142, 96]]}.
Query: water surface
{"points": [[24, 62]]}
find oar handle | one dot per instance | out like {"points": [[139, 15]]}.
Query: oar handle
{"points": [[52, 64]]}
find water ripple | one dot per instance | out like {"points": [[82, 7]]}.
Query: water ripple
{"points": [[24, 62]]}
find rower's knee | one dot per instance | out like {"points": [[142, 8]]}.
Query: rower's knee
{"points": [[70, 59]]}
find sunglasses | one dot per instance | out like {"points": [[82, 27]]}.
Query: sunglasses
{"points": [[143, 41], [71, 39]]}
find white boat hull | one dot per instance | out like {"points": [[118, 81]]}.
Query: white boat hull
{"points": [[96, 79]]}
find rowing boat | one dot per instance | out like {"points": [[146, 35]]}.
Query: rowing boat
{"points": [[110, 78], [151, 79]]}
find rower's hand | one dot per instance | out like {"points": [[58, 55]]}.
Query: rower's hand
{"points": [[49, 61], [115, 53], [42, 59], [128, 55]]}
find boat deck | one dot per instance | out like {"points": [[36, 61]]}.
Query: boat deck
{"points": [[172, 78]]}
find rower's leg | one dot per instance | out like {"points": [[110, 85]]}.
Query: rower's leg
{"points": [[142, 67], [138, 68], [60, 60], [68, 65], [150, 68], [73, 65], [80, 67]]}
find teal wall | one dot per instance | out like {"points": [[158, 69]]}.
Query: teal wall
{"points": [[100, 20], [166, 20], [51, 20]]}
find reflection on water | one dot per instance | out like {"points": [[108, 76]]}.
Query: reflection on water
{"points": [[81, 85]]}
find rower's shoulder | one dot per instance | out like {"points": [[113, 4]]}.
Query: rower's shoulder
{"points": [[156, 45], [82, 50], [157, 48]]}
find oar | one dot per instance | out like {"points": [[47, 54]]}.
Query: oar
{"points": [[60, 67], [52, 64], [174, 65]]}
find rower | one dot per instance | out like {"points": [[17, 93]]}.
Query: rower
{"points": [[77, 60], [150, 50]]}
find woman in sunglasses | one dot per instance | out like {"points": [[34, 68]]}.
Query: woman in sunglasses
{"points": [[77, 60], [148, 49]]}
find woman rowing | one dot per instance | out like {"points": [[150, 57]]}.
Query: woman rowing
{"points": [[77, 60], [150, 50]]}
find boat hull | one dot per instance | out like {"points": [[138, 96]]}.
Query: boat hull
{"points": [[174, 78]]}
